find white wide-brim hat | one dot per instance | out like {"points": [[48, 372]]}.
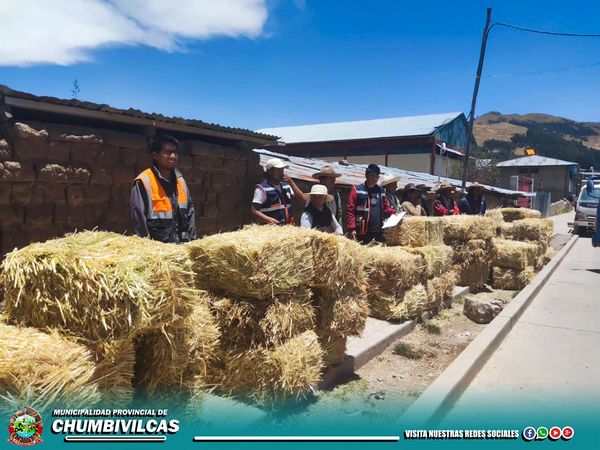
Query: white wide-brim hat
{"points": [[388, 178], [275, 163], [320, 189]]}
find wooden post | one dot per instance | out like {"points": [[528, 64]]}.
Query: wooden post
{"points": [[486, 31]]}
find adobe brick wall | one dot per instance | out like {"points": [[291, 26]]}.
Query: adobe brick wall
{"points": [[55, 179]]}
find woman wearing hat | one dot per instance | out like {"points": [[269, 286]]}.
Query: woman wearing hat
{"points": [[445, 205], [390, 183], [412, 201], [327, 176], [317, 214]]}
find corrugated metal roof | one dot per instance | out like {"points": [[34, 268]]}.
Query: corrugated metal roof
{"points": [[363, 129], [535, 160], [353, 174]]}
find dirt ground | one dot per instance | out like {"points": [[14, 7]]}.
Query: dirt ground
{"points": [[391, 382]]}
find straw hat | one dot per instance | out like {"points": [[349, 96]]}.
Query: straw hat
{"points": [[319, 189], [388, 178], [275, 163], [326, 171], [410, 187], [475, 185], [444, 186]]}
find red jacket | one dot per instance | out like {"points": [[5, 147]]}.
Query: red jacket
{"points": [[445, 206], [358, 201]]}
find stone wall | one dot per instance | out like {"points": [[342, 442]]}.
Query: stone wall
{"points": [[58, 178]]}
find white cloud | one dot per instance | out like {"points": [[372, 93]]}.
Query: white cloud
{"points": [[67, 31]]}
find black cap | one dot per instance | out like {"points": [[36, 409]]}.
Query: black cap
{"points": [[374, 168]]}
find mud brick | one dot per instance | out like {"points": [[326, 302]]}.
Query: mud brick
{"points": [[20, 193], [206, 149], [97, 194], [11, 215], [76, 194], [122, 139], [122, 174], [6, 150], [82, 153], [100, 175], [49, 193], [107, 156], [236, 166], [207, 163], [7, 240], [5, 189], [39, 214], [70, 216], [59, 152], [30, 149], [206, 225], [185, 163], [129, 156], [94, 215]]}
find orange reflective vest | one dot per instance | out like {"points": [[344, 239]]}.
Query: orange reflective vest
{"points": [[164, 224]]}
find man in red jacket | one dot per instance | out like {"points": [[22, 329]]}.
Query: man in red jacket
{"points": [[445, 205], [368, 206]]}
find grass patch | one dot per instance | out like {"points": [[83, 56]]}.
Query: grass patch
{"points": [[408, 351], [433, 328]]}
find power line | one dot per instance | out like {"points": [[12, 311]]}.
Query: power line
{"points": [[537, 72], [552, 33]]}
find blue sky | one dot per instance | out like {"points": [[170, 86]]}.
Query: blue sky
{"points": [[321, 61]]}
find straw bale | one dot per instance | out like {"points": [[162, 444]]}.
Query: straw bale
{"points": [[511, 279], [270, 375], [115, 361], [438, 258], [466, 227], [513, 254], [98, 285], [256, 322], [401, 306], [390, 269], [538, 230], [512, 214], [44, 370], [343, 313], [415, 232], [334, 347], [440, 289], [544, 259], [263, 262], [176, 360]]}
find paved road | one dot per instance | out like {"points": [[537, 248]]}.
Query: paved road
{"points": [[550, 360], [560, 222]]}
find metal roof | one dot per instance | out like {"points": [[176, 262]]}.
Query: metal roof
{"points": [[26, 100], [353, 174], [363, 129], [535, 160]]}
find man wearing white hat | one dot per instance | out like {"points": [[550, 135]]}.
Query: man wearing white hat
{"points": [[390, 183], [317, 214], [327, 176], [272, 200]]}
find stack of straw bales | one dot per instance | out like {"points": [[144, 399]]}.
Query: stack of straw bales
{"points": [[108, 292], [39, 369], [415, 232], [535, 231], [285, 300], [471, 238], [396, 290], [513, 263]]}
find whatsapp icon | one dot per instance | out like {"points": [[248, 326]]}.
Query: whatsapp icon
{"points": [[542, 433]]}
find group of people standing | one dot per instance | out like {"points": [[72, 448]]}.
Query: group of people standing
{"points": [[369, 203], [162, 208]]}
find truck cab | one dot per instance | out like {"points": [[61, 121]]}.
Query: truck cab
{"points": [[585, 211]]}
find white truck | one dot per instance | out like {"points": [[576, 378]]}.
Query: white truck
{"points": [[585, 211]]}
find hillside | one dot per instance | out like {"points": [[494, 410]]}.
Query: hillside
{"points": [[551, 136]]}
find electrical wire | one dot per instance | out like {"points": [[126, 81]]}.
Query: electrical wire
{"points": [[537, 72], [552, 33]]}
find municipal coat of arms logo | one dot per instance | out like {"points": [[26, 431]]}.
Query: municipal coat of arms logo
{"points": [[25, 428]]}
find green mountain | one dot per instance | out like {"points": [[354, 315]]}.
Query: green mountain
{"points": [[507, 135]]}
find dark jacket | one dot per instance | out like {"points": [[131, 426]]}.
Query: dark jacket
{"points": [[472, 205], [359, 208]]}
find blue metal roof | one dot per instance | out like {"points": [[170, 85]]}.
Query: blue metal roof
{"points": [[353, 174], [363, 129], [535, 161]]}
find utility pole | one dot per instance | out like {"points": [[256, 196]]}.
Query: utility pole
{"points": [[486, 31]]}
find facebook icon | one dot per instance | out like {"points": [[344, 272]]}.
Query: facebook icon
{"points": [[529, 434]]}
